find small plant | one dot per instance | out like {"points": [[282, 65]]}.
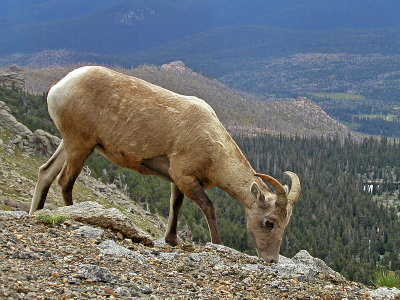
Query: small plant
{"points": [[49, 219], [386, 278]]}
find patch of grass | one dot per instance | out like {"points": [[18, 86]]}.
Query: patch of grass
{"points": [[386, 278], [49, 219]]}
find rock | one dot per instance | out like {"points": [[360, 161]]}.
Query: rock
{"points": [[8, 121], [38, 141], [304, 267], [43, 142], [161, 241], [174, 66], [20, 206], [25, 255], [5, 214], [252, 267], [112, 248], [37, 260], [223, 249], [93, 213], [12, 80], [205, 258], [147, 290], [385, 293], [94, 273], [284, 260], [90, 232], [168, 256]]}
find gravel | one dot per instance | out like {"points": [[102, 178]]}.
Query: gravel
{"points": [[43, 262]]}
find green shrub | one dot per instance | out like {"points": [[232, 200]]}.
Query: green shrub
{"points": [[49, 219], [387, 278]]}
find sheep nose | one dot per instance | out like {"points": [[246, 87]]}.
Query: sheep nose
{"points": [[273, 261]]}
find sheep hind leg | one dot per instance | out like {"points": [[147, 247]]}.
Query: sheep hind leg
{"points": [[47, 173], [75, 158], [176, 201]]}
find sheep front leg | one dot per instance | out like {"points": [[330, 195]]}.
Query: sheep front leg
{"points": [[176, 201], [192, 188], [76, 154]]}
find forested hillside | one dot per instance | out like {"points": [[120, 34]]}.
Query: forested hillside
{"points": [[335, 218]]}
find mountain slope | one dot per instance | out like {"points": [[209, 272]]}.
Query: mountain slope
{"points": [[39, 11], [125, 26], [239, 112]]}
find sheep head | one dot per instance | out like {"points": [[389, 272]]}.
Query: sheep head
{"points": [[270, 214]]}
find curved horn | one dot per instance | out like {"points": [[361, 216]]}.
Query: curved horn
{"points": [[282, 198], [295, 189]]}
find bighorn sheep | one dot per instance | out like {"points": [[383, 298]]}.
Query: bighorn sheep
{"points": [[143, 127]]}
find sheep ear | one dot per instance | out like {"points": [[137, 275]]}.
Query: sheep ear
{"points": [[256, 192]]}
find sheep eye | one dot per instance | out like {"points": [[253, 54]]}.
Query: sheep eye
{"points": [[269, 224]]}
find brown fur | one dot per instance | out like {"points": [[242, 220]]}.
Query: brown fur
{"points": [[151, 130]]}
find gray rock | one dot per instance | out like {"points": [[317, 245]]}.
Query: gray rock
{"points": [[223, 249], [205, 258], [284, 260], [38, 141], [247, 280], [304, 267], [90, 232], [275, 283], [112, 248], [384, 293], [161, 241], [95, 273], [252, 267], [43, 142], [93, 213], [121, 292], [11, 79], [220, 266], [5, 214], [147, 290], [8, 121], [168, 256], [25, 255]]}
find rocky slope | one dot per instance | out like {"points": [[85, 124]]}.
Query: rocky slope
{"points": [[70, 259]]}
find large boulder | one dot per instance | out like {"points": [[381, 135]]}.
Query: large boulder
{"points": [[304, 267], [93, 213], [7, 120], [11, 79]]}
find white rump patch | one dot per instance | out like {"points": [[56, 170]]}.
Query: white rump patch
{"points": [[59, 93]]}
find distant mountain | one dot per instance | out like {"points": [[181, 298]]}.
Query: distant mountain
{"points": [[40, 11], [229, 49], [128, 26]]}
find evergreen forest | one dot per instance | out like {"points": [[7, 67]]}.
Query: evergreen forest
{"points": [[347, 214]]}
